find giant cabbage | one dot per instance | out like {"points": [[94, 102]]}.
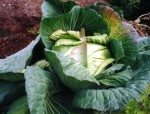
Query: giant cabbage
{"points": [[94, 62], [95, 54]]}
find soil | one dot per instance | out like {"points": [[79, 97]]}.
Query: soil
{"points": [[19, 20], [14, 43], [18, 15]]}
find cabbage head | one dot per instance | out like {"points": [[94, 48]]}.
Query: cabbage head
{"points": [[96, 55]]}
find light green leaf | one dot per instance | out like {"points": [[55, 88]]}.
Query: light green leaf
{"points": [[100, 39], [66, 46], [42, 64], [70, 72], [116, 49], [60, 34], [103, 65], [67, 42], [42, 92], [20, 106], [76, 19], [117, 98], [53, 8], [10, 91]]}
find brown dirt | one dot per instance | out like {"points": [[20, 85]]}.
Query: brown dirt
{"points": [[14, 43], [17, 15], [18, 18]]}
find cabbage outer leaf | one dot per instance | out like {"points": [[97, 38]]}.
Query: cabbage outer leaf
{"points": [[53, 8], [75, 19], [117, 98], [70, 72], [121, 31], [43, 94]]}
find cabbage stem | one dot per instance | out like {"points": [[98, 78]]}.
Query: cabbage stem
{"points": [[83, 48]]}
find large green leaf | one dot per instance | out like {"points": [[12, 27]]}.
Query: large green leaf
{"points": [[40, 85], [53, 8], [10, 91], [116, 49], [42, 88], [76, 19], [116, 98], [129, 43], [20, 106], [70, 72], [141, 69]]}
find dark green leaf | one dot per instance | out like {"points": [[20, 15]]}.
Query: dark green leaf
{"points": [[10, 91], [62, 104], [12, 76], [129, 44], [116, 49], [53, 8], [20, 106], [76, 19], [71, 73]]}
